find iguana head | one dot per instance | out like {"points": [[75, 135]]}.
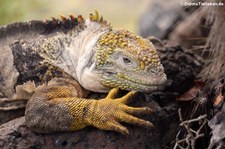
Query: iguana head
{"points": [[111, 58], [129, 62]]}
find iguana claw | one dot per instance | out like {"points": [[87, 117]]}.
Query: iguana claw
{"points": [[109, 112]]}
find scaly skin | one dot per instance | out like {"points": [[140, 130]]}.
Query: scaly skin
{"points": [[91, 56], [80, 112]]}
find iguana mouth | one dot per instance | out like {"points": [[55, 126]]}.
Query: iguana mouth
{"points": [[159, 80], [113, 79]]}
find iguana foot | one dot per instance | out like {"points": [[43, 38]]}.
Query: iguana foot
{"points": [[109, 112]]}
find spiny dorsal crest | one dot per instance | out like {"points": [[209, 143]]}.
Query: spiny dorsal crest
{"points": [[64, 23], [97, 18]]}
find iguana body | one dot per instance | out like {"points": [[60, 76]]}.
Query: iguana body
{"points": [[71, 57]]}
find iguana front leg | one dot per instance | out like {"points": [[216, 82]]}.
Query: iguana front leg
{"points": [[61, 106]]}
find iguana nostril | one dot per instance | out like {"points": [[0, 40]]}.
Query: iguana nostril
{"points": [[153, 71], [156, 70]]}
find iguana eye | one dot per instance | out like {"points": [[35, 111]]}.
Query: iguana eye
{"points": [[127, 60]]}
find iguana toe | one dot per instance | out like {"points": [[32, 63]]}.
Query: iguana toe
{"points": [[108, 113]]}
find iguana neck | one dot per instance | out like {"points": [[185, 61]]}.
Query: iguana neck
{"points": [[76, 55]]}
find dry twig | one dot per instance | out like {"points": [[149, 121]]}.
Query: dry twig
{"points": [[189, 140]]}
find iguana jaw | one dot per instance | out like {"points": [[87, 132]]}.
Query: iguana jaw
{"points": [[142, 83]]}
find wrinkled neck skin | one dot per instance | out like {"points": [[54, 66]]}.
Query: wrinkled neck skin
{"points": [[79, 61]]}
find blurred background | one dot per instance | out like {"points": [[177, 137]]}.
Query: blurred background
{"points": [[164, 19], [121, 13]]}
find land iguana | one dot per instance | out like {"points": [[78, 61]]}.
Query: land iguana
{"points": [[65, 58]]}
